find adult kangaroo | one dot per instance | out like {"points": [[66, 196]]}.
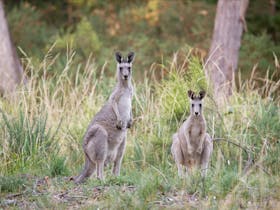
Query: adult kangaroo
{"points": [[192, 145], [105, 138]]}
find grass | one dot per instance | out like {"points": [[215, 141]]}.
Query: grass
{"points": [[41, 136]]}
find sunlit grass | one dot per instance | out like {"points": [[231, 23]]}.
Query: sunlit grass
{"points": [[42, 130]]}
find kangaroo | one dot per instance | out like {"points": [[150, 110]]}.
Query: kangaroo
{"points": [[191, 145], [105, 138]]}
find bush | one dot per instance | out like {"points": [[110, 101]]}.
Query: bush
{"points": [[11, 183], [173, 90], [28, 142], [266, 136], [257, 49], [28, 29], [58, 166], [84, 39]]}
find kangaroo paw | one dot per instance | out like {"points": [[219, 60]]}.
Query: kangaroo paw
{"points": [[119, 124], [190, 150], [199, 150], [129, 124]]}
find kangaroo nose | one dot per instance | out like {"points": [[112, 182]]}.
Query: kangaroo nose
{"points": [[196, 113], [125, 77]]}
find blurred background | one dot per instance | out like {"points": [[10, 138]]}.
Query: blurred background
{"points": [[66, 49], [154, 29]]}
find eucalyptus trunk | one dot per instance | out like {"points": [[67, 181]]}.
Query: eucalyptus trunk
{"points": [[11, 73], [223, 55]]}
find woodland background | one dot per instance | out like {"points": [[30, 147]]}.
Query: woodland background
{"points": [[66, 49], [153, 29]]}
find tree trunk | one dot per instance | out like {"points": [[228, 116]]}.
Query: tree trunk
{"points": [[272, 7], [223, 55], [11, 72]]}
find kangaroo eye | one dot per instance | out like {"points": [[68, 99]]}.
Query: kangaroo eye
{"points": [[121, 68], [129, 68], [200, 105], [192, 105]]}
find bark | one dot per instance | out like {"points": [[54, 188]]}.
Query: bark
{"points": [[272, 7], [11, 73], [223, 55]]}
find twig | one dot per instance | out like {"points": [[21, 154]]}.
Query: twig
{"points": [[263, 169], [15, 195], [224, 139], [160, 173], [250, 160], [78, 196]]}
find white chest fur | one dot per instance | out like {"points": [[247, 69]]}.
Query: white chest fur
{"points": [[193, 128], [124, 106], [195, 131]]}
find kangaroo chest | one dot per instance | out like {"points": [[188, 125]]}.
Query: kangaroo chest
{"points": [[124, 105], [195, 130]]}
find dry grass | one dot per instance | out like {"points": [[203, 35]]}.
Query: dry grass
{"points": [[149, 176]]}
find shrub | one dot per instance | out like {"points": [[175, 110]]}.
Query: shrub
{"points": [[28, 30], [28, 141], [173, 90], [266, 136], [84, 40], [58, 166], [257, 49], [11, 183]]}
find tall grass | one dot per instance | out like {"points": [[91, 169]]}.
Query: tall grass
{"points": [[27, 141], [50, 115]]}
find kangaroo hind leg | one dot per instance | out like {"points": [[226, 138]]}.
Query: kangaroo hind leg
{"points": [[88, 170], [97, 150], [119, 157], [177, 155], [206, 154]]}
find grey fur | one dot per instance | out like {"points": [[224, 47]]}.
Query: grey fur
{"points": [[191, 145], [105, 138]]}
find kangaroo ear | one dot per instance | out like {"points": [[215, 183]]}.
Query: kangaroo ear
{"points": [[202, 94], [118, 57], [130, 57], [191, 94]]}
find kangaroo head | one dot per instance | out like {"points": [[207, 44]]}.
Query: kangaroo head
{"points": [[196, 102], [124, 65]]}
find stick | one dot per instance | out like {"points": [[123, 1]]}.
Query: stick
{"points": [[250, 160]]}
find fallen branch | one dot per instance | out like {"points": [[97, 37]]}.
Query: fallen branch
{"points": [[236, 144], [15, 195], [249, 162]]}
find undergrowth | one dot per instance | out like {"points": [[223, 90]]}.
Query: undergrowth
{"points": [[43, 126]]}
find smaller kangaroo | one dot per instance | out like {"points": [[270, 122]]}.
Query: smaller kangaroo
{"points": [[191, 145], [105, 138]]}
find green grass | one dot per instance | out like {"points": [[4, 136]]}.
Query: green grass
{"points": [[41, 142], [26, 141], [11, 184]]}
